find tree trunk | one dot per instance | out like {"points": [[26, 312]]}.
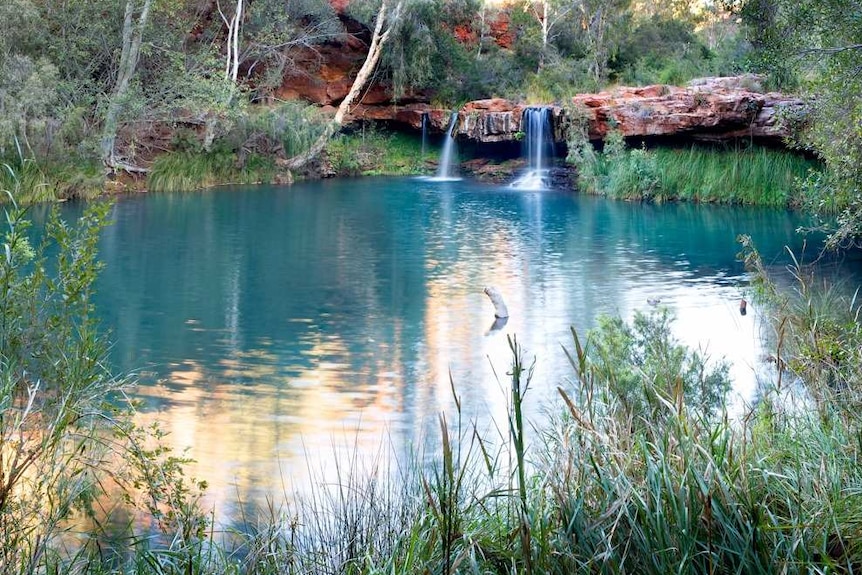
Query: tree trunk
{"points": [[378, 39], [544, 35], [133, 33], [231, 67]]}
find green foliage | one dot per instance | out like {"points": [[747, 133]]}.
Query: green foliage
{"points": [[53, 383], [644, 368], [559, 80], [31, 182], [424, 55], [371, 152], [185, 172], [27, 98], [816, 331], [497, 73], [661, 50], [287, 129], [618, 172], [245, 153], [65, 435], [817, 45], [751, 175]]}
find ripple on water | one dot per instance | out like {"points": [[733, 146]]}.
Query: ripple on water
{"points": [[281, 324]]}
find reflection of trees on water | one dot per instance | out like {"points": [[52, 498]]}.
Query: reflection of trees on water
{"points": [[272, 315]]}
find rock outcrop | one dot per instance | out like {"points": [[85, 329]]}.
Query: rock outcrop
{"points": [[706, 109]]}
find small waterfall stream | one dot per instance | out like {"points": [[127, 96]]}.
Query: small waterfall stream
{"points": [[444, 170], [424, 133], [538, 147]]}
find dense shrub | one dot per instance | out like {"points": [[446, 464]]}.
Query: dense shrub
{"points": [[661, 50]]}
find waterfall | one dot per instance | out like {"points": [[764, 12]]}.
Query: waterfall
{"points": [[538, 146], [424, 133], [445, 168]]}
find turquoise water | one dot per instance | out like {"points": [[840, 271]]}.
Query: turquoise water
{"points": [[274, 327]]}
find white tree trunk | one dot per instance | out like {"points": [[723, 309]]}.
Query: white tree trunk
{"points": [[233, 24], [237, 22], [133, 32], [378, 39]]}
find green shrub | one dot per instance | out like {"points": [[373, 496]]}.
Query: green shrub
{"points": [[65, 433], [53, 386], [288, 129], [661, 50], [643, 367], [558, 80], [372, 152], [184, 172]]}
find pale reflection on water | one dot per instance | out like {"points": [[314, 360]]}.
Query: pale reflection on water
{"points": [[276, 327]]}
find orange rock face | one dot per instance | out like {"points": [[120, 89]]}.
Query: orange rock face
{"points": [[501, 30], [707, 109], [339, 5], [710, 108]]}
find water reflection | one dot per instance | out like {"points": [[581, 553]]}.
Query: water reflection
{"points": [[273, 327]]}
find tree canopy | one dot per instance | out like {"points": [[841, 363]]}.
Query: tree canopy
{"points": [[817, 46]]}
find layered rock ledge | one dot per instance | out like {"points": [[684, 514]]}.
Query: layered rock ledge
{"points": [[707, 109]]}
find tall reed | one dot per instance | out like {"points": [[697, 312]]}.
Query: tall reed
{"points": [[745, 175], [189, 171]]}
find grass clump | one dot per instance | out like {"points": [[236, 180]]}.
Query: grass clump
{"points": [[244, 150], [754, 175], [371, 152], [33, 182], [751, 175], [188, 171]]}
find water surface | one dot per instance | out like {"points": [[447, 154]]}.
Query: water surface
{"points": [[270, 325]]}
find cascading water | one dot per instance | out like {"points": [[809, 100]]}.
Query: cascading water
{"points": [[424, 133], [444, 170], [538, 146]]}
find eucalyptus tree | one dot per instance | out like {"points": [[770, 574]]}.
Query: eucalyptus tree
{"points": [[586, 30], [548, 13], [602, 25], [233, 25], [137, 13], [385, 21], [819, 42]]}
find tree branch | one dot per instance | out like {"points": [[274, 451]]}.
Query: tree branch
{"points": [[832, 50]]}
